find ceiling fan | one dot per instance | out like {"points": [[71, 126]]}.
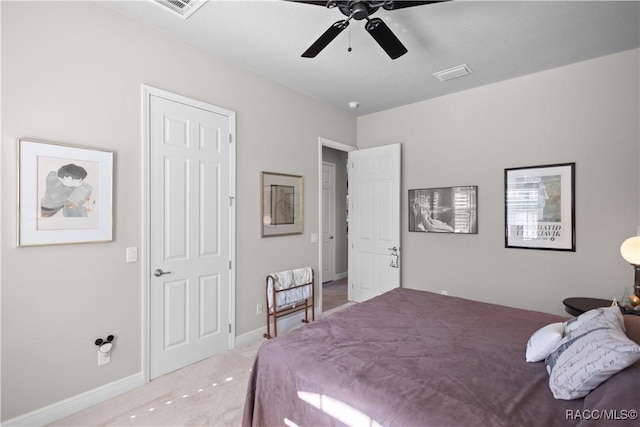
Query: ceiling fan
{"points": [[359, 10]]}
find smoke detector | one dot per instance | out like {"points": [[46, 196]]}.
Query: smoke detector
{"points": [[182, 8]]}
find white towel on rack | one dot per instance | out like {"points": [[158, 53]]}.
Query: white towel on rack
{"points": [[285, 280], [302, 275]]}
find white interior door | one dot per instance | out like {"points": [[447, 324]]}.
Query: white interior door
{"points": [[189, 234], [328, 221], [374, 221]]}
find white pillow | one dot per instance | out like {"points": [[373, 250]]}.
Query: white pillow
{"points": [[544, 341]]}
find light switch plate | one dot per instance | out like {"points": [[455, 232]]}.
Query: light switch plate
{"points": [[132, 254]]}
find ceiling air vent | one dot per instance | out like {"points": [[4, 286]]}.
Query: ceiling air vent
{"points": [[453, 73], [182, 8]]}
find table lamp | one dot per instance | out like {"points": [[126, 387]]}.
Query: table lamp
{"points": [[630, 251]]}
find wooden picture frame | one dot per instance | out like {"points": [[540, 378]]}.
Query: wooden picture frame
{"points": [[281, 204]]}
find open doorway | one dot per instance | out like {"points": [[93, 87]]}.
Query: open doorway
{"points": [[333, 224]]}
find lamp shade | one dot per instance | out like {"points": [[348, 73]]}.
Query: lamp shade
{"points": [[630, 250]]}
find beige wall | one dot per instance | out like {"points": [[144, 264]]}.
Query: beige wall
{"points": [[72, 73], [587, 113]]}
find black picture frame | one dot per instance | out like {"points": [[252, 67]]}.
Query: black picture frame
{"points": [[539, 208], [444, 210]]}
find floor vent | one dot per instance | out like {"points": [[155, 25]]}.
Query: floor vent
{"points": [[182, 8]]}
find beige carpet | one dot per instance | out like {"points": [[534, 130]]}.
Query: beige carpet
{"points": [[334, 294], [207, 393]]}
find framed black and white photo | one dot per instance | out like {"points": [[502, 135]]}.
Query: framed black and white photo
{"points": [[281, 204], [540, 207], [65, 194], [444, 210]]}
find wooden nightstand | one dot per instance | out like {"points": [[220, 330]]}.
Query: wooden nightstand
{"points": [[577, 306]]}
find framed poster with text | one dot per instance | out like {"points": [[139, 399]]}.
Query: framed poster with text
{"points": [[540, 207]]}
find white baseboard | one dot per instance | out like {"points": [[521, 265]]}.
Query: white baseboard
{"points": [[340, 276], [284, 324], [64, 408]]}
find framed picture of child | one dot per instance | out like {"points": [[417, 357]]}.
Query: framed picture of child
{"points": [[65, 194]]}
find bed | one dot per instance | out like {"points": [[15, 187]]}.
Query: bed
{"points": [[416, 358]]}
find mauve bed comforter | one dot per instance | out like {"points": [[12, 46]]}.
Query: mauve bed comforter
{"points": [[415, 358]]}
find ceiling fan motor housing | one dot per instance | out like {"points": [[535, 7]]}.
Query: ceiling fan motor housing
{"points": [[358, 10]]}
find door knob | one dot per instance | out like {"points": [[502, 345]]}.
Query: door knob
{"points": [[159, 272]]}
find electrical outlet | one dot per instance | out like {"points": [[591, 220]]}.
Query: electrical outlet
{"points": [[104, 358], [444, 292], [258, 309]]}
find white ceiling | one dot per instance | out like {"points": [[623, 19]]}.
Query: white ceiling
{"points": [[498, 40]]}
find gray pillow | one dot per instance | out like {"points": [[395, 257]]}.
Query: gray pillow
{"points": [[603, 317]]}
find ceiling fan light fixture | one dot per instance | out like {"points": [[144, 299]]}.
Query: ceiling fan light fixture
{"points": [[453, 73]]}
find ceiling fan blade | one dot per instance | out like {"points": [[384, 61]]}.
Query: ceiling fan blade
{"points": [[311, 2], [402, 4], [385, 38], [325, 39]]}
